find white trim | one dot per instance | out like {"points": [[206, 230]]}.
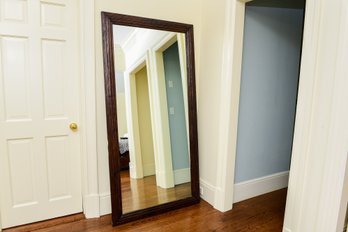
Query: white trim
{"points": [[182, 176], [335, 193], [183, 70], [164, 167], [136, 165], [88, 116], [336, 149], [321, 131], [207, 191], [91, 206], [105, 203], [229, 103], [165, 42], [303, 115], [256, 187]]}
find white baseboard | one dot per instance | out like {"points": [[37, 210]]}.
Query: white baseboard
{"points": [[182, 176], [91, 206], [208, 191], [259, 186], [105, 204]]}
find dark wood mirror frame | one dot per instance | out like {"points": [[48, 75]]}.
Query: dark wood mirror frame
{"points": [[108, 20]]}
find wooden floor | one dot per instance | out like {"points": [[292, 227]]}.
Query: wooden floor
{"points": [[262, 214], [143, 193]]}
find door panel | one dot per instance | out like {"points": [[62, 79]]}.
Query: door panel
{"points": [[58, 173], [40, 171], [53, 54], [52, 14], [21, 170], [15, 77], [14, 10]]}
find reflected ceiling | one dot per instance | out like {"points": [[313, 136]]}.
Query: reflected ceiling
{"points": [[123, 33]]}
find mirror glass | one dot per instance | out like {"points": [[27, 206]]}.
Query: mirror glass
{"points": [[152, 116]]}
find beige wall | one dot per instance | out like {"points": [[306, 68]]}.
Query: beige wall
{"points": [[144, 118], [208, 20], [209, 84], [120, 65]]}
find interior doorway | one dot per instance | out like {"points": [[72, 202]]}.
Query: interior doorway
{"points": [[144, 122], [271, 60], [176, 115], [225, 194]]}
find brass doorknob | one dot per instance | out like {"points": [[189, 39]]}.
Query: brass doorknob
{"points": [[73, 126]]}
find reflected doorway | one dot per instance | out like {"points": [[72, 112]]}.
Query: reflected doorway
{"points": [[146, 152], [152, 116]]}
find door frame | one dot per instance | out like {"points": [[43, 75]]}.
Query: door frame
{"points": [[90, 190], [136, 164], [166, 175], [229, 103], [164, 169], [229, 98]]}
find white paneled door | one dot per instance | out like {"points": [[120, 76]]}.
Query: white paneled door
{"points": [[40, 173]]}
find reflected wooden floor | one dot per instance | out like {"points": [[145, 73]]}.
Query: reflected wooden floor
{"points": [[143, 193]]}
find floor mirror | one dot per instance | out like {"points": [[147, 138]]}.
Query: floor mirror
{"points": [[150, 96]]}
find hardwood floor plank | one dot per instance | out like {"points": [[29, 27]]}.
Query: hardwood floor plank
{"points": [[47, 223], [144, 193], [262, 214]]}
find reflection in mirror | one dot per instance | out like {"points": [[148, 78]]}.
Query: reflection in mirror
{"points": [[152, 116]]}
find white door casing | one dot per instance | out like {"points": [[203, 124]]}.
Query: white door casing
{"points": [[40, 165], [135, 165], [229, 103], [164, 166], [90, 187]]}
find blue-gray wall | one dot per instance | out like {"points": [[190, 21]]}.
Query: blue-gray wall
{"points": [[175, 99], [271, 52]]}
